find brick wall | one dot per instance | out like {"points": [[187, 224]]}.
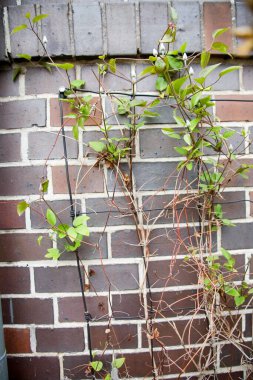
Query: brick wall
{"points": [[46, 337]]}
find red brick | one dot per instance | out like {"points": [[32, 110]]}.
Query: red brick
{"points": [[27, 311], [125, 306], [124, 336], [126, 244], [17, 341], [71, 308], [60, 340], [14, 280], [94, 119], [41, 146], [232, 356], [20, 180], [75, 366], [248, 326], [235, 110], [61, 279], [23, 113], [237, 180], [9, 217], [217, 16], [90, 178], [39, 368], [119, 277], [23, 247], [10, 147]]}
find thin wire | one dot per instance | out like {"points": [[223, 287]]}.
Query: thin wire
{"points": [[87, 315]]}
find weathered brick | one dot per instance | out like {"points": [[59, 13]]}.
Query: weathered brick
{"points": [[41, 81], [87, 180], [23, 247], [212, 22], [174, 333], [19, 43], [243, 14], [170, 273], [127, 306], [153, 23], [23, 114], [59, 280], [43, 145], [57, 33], [154, 144], [75, 366], [87, 74], [238, 237], [235, 180], [144, 83], [124, 336], [27, 311], [235, 110], [103, 211], [125, 244], [87, 28], [247, 77], [11, 218], [121, 82], [248, 325], [39, 368], [233, 204], [94, 119], [159, 176], [60, 208], [10, 147], [8, 86], [188, 25], [71, 308], [121, 36], [14, 280], [20, 180], [17, 341], [118, 277], [60, 339], [231, 355]]}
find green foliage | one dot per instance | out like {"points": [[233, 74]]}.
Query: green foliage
{"points": [[21, 207]]}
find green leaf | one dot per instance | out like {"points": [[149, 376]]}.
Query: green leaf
{"points": [[63, 66], [181, 151], [83, 230], [77, 83], [51, 217], [218, 32], [16, 72], [96, 365], [138, 103], [28, 15], [62, 230], [173, 14], [150, 114], [72, 234], [239, 300], [182, 48], [39, 17], [220, 46], [208, 70], [39, 240], [187, 139], [228, 134], [196, 98], [112, 65], [21, 207], [250, 291], [53, 253], [18, 28], [75, 132], [229, 70], [118, 363], [226, 254], [79, 220], [25, 56], [175, 63], [232, 292], [108, 377], [161, 84], [205, 58], [98, 146], [178, 83], [44, 186], [148, 70], [170, 132]]}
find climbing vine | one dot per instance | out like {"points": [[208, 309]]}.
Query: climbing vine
{"points": [[207, 164]]}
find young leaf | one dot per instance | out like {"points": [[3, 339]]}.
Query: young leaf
{"points": [[208, 70], [44, 186], [18, 28], [53, 253], [75, 132], [173, 14], [96, 365], [83, 230], [148, 70], [220, 46], [79, 220], [112, 65], [232, 292], [62, 230], [205, 57], [51, 217], [226, 254], [108, 377], [161, 84], [98, 146], [39, 240], [229, 70], [118, 363], [16, 72], [25, 56], [239, 300], [21, 207], [72, 234], [218, 32], [39, 17], [77, 83], [28, 15], [63, 66]]}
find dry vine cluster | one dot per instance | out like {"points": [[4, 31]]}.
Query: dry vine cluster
{"points": [[207, 164]]}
